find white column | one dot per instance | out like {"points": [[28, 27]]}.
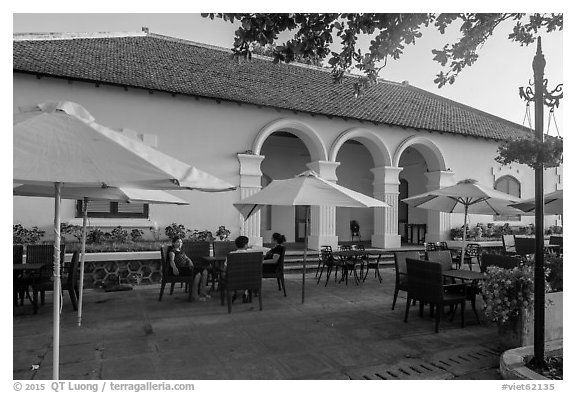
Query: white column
{"points": [[386, 183], [323, 218], [250, 183], [439, 223]]}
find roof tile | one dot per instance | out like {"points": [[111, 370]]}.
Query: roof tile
{"points": [[176, 66]]}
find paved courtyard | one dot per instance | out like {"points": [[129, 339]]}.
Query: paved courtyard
{"points": [[341, 332]]}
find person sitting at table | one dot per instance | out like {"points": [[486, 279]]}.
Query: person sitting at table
{"points": [[275, 252], [182, 265]]}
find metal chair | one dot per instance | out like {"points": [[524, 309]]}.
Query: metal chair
{"points": [[471, 251], [276, 270]]}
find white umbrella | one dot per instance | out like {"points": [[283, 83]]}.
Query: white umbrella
{"points": [[108, 193], [306, 189], [553, 203], [59, 144], [468, 197]]}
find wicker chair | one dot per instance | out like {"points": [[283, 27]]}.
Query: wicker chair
{"points": [[508, 244], [44, 253], [20, 282], [441, 256], [276, 270], [69, 282], [401, 283], [169, 277], [557, 241], [524, 245], [221, 249], [243, 272], [17, 253], [425, 285]]}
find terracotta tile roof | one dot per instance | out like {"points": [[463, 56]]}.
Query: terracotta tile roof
{"points": [[155, 62]]}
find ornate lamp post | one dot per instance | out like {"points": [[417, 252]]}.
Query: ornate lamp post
{"points": [[541, 97]]}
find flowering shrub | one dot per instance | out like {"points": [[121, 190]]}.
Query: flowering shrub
{"points": [[506, 292]]}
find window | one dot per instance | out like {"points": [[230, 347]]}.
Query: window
{"points": [[106, 209], [508, 185]]}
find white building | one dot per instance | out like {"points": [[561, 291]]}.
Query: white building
{"points": [[251, 122]]}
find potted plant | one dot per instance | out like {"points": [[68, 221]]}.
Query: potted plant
{"points": [[222, 233]]}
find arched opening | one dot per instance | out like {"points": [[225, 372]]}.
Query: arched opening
{"points": [[412, 224], [508, 185], [358, 151], [354, 173], [419, 159], [286, 155]]}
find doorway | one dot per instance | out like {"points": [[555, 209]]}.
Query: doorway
{"points": [[300, 223]]}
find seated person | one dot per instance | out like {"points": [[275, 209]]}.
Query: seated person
{"points": [[241, 246], [275, 252], [182, 265]]}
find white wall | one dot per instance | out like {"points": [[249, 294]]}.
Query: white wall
{"points": [[209, 135]]}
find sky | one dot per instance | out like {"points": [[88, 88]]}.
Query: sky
{"points": [[491, 84]]}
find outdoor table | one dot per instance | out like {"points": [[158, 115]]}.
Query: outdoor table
{"points": [[472, 289], [359, 253], [20, 269], [465, 275]]}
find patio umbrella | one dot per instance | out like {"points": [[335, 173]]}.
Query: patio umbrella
{"points": [[118, 194], [306, 189], [468, 197], [58, 144], [553, 203]]}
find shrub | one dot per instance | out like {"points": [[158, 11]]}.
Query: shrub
{"points": [[222, 233], [136, 235], [554, 273], [204, 235], [119, 235], [176, 230], [97, 236], [73, 230], [21, 235]]}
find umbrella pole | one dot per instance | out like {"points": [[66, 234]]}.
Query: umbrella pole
{"points": [[464, 235], [306, 218], [83, 253], [56, 319]]}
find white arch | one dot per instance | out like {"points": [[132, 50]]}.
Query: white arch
{"points": [[369, 139], [429, 150], [307, 134]]}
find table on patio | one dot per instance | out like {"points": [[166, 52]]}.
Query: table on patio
{"points": [[359, 253]]}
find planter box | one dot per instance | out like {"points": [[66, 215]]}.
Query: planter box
{"points": [[552, 318], [105, 266]]}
